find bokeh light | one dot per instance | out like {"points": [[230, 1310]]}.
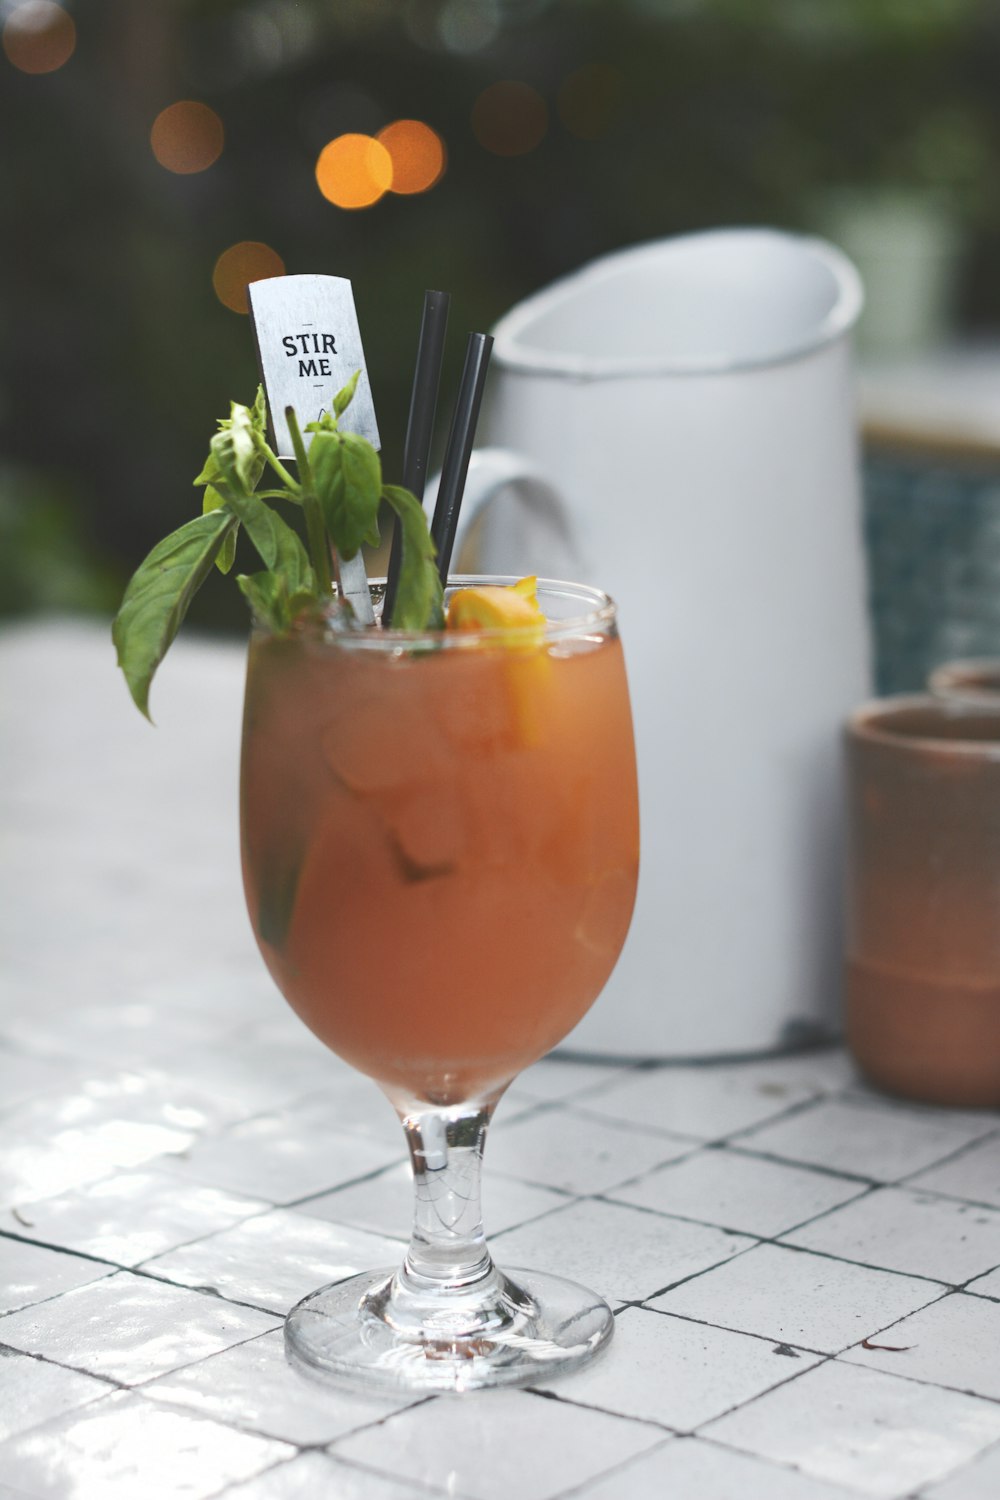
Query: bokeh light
{"points": [[39, 36], [587, 100], [418, 155], [354, 171], [187, 136], [509, 118], [238, 266]]}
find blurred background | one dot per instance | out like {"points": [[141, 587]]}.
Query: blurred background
{"points": [[158, 155]]}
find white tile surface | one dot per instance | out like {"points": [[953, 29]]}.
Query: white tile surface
{"points": [[880, 1142], [709, 1103], [317, 1476], [30, 1273], [498, 1444], [737, 1191], [679, 1374], [986, 1286], [24, 1075], [805, 1300], [32, 1391], [41, 1160], [869, 1431], [172, 1047], [252, 1386], [974, 1175], [256, 1074], [979, 1480], [134, 1215], [954, 1342], [565, 1078], [689, 1469], [129, 1328], [384, 1204], [354, 1104], [275, 1260], [124, 1448], [915, 1233], [623, 1253], [569, 1150], [283, 1159]]}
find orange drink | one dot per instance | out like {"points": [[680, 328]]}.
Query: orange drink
{"points": [[440, 840]]}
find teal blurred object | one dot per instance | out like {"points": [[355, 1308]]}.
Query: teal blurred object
{"points": [[932, 527]]}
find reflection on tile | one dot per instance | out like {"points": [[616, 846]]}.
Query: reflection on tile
{"points": [[252, 1386], [49, 1160], [280, 1159], [880, 1142], [680, 1374], [571, 1151], [494, 1444], [622, 1253], [879, 1434], [32, 1391], [910, 1232], [30, 1273], [797, 1298], [384, 1203], [317, 1476], [24, 1076], [688, 1469], [974, 1175], [740, 1192], [125, 1448], [135, 1215], [275, 1260], [979, 1480], [953, 1342], [708, 1103], [129, 1328]]}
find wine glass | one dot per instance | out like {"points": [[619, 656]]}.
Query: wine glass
{"points": [[440, 851]]}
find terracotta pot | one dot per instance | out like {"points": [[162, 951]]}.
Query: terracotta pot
{"points": [[923, 939]]}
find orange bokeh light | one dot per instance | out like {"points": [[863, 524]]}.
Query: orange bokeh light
{"points": [[509, 118], [39, 36], [187, 136], [240, 264], [354, 171], [418, 155]]}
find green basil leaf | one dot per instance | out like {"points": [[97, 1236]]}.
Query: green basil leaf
{"points": [[344, 397], [158, 595], [280, 547], [235, 452], [273, 603], [212, 500], [419, 595], [347, 476]]}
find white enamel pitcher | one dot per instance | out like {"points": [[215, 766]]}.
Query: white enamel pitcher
{"points": [[675, 424]]}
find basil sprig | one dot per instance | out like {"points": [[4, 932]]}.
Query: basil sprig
{"points": [[338, 490]]}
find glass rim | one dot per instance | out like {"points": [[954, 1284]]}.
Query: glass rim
{"points": [[598, 612]]}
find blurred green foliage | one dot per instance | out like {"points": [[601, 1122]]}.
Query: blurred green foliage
{"points": [[115, 355]]}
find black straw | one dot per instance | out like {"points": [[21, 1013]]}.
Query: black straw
{"points": [[459, 448], [419, 426]]}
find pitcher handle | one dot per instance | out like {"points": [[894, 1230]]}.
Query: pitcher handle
{"points": [[513, 519]]}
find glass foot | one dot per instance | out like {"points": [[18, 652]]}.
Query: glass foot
{"points": [[359, 1333]]}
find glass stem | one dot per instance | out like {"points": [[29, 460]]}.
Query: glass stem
{"points": [[447, 1251]]}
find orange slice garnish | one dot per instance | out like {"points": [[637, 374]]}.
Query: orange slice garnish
{"points": [[511, 612]]}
